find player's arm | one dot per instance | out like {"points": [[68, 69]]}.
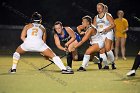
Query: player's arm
{"points": [[71, 34], [57, 42], [44, 37], [24, 33], [94, 21], [85, 38], [79, 29], [112, 24]]}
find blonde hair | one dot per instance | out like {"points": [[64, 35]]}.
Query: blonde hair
{"points": [[102, 4], [105, 8]]}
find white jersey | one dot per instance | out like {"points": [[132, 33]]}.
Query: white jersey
{"points": [[109, 14], [35, 32], [97, 38], [33, 41], [102, 23]]}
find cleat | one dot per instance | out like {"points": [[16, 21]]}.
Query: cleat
{"points": [[67, 72], [12, 70], [106, 67], [100, 63], [131, 73], [81, 69], [69, 69], [113, 66]]}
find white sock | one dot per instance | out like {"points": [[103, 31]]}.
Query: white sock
{"points": [[103, 56], [59, 63], [14, 66], [85, 60], [16, 57], [110, 56]]}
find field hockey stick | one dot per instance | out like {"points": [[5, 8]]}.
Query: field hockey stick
{"points": [[51, 62]]}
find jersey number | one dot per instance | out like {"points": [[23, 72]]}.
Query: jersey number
{"points": [[101, 26], [34, 31]]}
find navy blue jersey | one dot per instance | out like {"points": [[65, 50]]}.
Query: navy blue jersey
{"points": [[66, 36]]}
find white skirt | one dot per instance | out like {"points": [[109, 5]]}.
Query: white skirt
{"points": [[34, 46]]}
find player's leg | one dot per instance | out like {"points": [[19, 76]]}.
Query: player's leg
{"points": [[75, 55], [103, 55], [135, 66], [108, 45], [110, 55], [16, 57], [117, 45], [99, 60], [49, 53], [95, 57], [113, 44], [104, 58], [113, 47], [90, 50], [123, 42], [71, 53]]}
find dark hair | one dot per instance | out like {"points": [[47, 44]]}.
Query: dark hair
{"points": [[36, 17], [88, 18], [57, 23]]}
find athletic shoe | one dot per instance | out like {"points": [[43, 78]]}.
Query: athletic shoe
{"points": [[67, 72], [106, 67], [131, 73], [100, 63], [113, 66], [81, 69], [12, 70], [69, 69]]}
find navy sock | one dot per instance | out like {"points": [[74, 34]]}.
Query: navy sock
{"points": [[69, 59]]}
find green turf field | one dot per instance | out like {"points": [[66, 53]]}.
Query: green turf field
{"points": [[50, 80]]}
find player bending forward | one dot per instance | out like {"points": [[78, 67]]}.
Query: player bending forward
{"points": [[96, 41], [34, 37]]}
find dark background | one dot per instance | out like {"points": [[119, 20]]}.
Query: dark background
{"points": [[70, 12]]}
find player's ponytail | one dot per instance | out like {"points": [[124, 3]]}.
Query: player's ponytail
{"points": [[36, 17]]}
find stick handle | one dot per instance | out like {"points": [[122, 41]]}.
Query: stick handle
{"points": [[51, 62], [46, 66]]}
